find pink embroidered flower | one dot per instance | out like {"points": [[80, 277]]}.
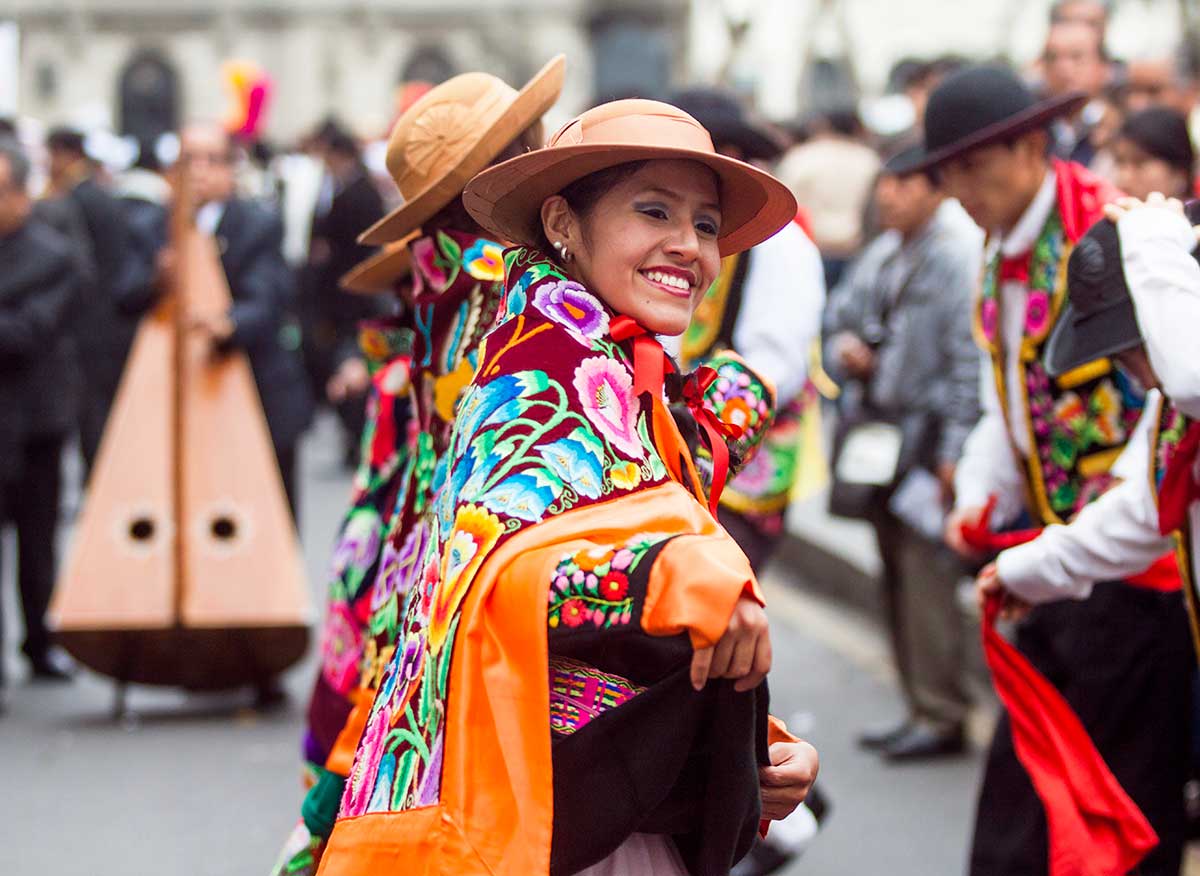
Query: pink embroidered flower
{"points": [[568, 303], [622, 559], [605, 389], [425, 256], [1037, 313], [987, 318], [341, 647]]}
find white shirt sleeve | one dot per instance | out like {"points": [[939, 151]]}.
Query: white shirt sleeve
{"points": [[1112, 538], [988, 466], [1164, 282], [783, 297]]}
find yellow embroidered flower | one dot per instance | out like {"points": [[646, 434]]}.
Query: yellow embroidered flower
{"points": [[1108, 411], [484, 260], [476, 531], [625, 475], [448, 387]]}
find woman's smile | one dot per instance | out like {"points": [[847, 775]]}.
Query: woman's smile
{"points": [[673, 281]]}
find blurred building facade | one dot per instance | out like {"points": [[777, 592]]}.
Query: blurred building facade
{"points": [[138, 65]]}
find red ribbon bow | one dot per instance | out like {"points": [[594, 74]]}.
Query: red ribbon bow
{"points": [[1179, 488], [650, 367], [714, 429], [1015, 268]]}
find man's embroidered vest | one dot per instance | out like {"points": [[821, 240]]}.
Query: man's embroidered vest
{"points": [[1080, 421], [1168, 432]]}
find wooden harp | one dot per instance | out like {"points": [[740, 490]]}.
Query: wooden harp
{"points": [[185, 568]]}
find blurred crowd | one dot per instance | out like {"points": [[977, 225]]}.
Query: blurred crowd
{"points": [[86, 254]]}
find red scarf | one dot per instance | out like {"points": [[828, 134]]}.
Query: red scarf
{"points": [[1094, 829]]}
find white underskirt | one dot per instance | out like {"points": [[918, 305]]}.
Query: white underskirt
{"points": [[643, 854]]}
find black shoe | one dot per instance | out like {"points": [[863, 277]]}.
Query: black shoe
{"points": [[270, 695], [878, 740], [923, 743], [51, 667]]}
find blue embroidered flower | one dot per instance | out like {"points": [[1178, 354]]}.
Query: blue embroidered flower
{"points": [[526, 495], [578, 460]]}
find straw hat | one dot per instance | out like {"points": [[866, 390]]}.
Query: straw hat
{"points": [[452, 133], [379, 272], [507, 199]]}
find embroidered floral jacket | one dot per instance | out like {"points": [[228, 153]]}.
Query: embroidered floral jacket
{"points": [[568, 548], [387, 346]]}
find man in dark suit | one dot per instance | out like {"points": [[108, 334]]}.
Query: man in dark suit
{"points": [[348, 204], [103, 334], [39, 391], [249, 238]]}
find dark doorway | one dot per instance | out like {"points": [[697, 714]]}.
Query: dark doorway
{"points": [[149, 97]]}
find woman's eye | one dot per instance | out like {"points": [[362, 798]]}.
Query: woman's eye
{"points": [[654, 212], [708, 228]]}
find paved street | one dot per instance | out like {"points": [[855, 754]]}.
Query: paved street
{"points": [[194, 786]]}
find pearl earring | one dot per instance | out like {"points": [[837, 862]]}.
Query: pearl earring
{"points": [[562, 250]]}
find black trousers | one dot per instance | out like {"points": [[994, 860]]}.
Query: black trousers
{"points": [[1123, 660], [286, 456], [30, 503]]}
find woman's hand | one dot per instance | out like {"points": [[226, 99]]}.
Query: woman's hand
{"points": [[784, 784], [744, 651]]}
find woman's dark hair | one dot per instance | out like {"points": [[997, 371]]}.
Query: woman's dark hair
{"points": [[583, 194], [1162, 133]]}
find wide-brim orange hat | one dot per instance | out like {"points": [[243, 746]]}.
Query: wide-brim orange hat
{"points": [[453, 132], [378, 273], [507, 199]]}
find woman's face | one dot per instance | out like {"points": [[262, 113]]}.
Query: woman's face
{"points": [[1139, 173], [648, 246]]}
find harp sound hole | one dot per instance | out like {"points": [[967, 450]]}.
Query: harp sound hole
{"points": [[141, 529], [223, 528]]}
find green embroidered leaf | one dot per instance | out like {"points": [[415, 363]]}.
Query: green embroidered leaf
{"points": [[533, 382], [405, 767], [657, 469]]}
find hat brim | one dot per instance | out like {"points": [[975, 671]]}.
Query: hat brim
{"points": [[1077, 340], [1027, 120], [507, 199], [379, 273], [530, 104]]}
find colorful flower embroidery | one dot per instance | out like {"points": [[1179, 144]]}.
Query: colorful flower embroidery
{"points": [[577, 460], [988, 317], [625, 475], [484, 260], [475, 533], [429, 264], [591, 586], [341, 647], [1037, 312], [605, 389], [568, 303]]}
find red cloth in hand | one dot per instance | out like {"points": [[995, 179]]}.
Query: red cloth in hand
{"points": [[1094, 828]]}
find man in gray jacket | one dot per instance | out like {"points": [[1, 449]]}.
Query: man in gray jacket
{"points": [[898, 340]]}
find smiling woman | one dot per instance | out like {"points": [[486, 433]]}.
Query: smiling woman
{"points": [[583, 629]]}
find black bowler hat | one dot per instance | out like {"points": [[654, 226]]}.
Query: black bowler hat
{"points": [[982, 105], [1099, 319], [729, 121]]}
